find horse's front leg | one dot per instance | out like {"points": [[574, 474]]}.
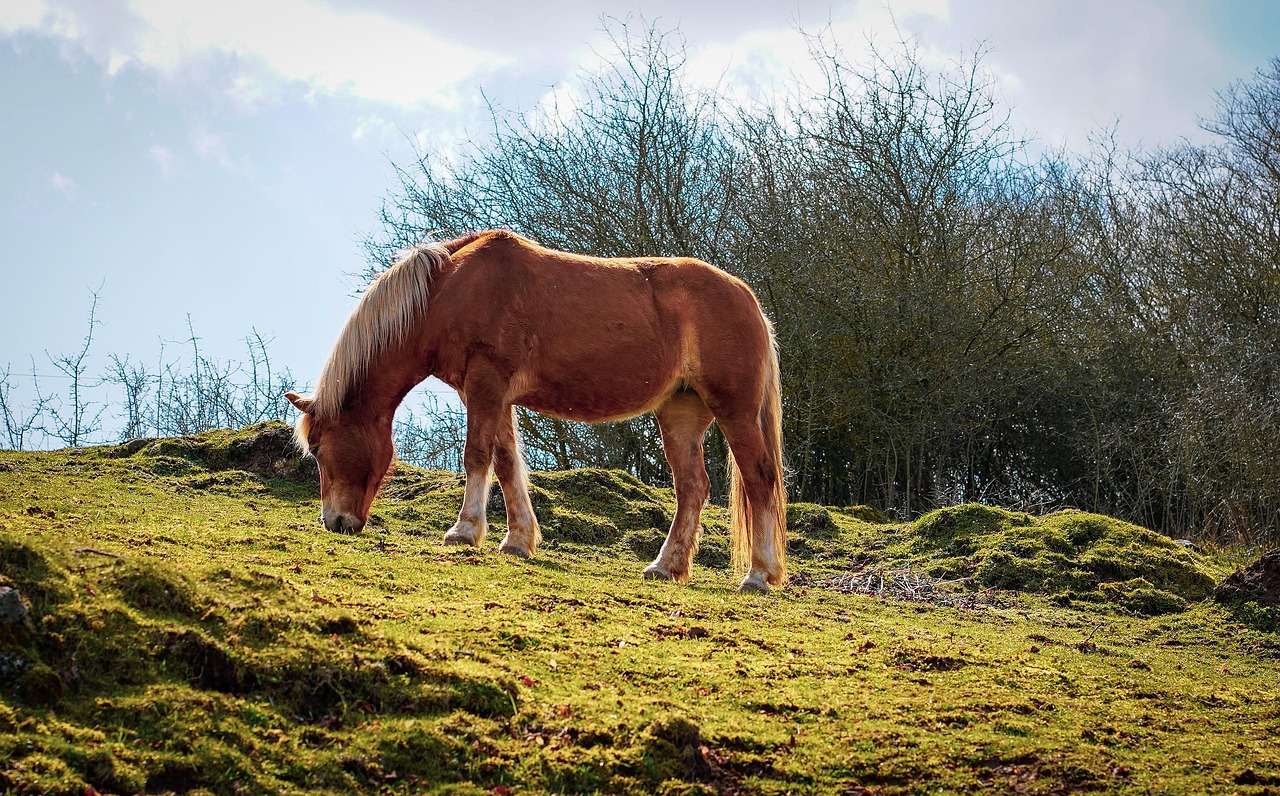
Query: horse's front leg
{"points": [[477, 460], [523, 534]]}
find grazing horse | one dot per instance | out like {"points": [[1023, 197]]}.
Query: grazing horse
{"points": [[507, 322]]}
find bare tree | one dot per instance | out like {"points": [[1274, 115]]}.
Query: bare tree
{"points": [[433, 437], [958, 320], [209, 394], [19, 422], [916, 264], [135, 381], [78, 418]]}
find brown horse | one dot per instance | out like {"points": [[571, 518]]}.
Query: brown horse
{"points": [[507, 322]]}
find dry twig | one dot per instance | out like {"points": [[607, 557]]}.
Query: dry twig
{"points": [[905, 583]]}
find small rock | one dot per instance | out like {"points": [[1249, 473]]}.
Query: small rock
{"points": [[13, 611], [12, 667]]}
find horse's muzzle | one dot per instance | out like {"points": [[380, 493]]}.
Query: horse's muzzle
{"points": [[338, 522]]}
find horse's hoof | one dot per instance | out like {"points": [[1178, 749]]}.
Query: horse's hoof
{"points": [[754, 584], [514, 550], [456, 537], [655, 572]]}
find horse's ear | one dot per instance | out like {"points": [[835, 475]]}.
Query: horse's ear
{"points": [[303, 405]]}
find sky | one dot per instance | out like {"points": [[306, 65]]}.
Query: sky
{"points": [[214, 166]]}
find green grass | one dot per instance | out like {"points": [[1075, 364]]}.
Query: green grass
{"points": [[194, 628]]}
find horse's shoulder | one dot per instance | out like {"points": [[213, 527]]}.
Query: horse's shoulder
{"points": [[489, 242]]}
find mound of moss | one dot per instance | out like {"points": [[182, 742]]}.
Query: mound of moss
{"points": [[1073, 555], [265, 449], [187, 678], [420, 501], [595, 506]]}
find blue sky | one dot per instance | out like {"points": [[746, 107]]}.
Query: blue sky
{"points": [[221, 160]]}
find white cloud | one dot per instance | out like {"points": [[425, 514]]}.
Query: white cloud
{"points": [[213, 147], [21, 14], [373, 128], [1072, 70], [760, 63], [357, 53], [249, 91], [558, 104], [64, 186], [170, 162]]}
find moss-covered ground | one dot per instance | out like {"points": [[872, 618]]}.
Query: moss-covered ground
{"points": [[193, 628]]}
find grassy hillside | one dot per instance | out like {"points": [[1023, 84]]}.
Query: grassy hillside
{"points": [[191, 626]]}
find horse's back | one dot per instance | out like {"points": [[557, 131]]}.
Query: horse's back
{"points": [[583, 294], [599, 338]]}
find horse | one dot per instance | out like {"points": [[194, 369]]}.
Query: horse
{"points": [[508, 322]]}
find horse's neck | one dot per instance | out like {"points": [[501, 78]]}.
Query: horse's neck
{"points": [[390, 377]]}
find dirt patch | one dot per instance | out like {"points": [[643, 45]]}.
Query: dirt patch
{"points": [[1259, 582]]}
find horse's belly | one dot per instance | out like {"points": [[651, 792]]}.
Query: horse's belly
{"points": [[600, 355], [598, 396]]}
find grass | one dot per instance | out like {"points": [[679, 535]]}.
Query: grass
{"points": [[194, 629]]}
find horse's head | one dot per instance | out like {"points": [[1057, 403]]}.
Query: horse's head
{"points": [[353, 454]]}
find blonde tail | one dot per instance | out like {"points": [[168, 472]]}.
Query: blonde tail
{"points": [[739, 519], [739, 505]]}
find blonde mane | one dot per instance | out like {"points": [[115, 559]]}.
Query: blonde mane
{"points": [[387, 311]]}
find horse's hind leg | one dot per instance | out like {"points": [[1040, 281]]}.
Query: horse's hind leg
{"points": [[683, 421], [523, 535], [759, 472]]}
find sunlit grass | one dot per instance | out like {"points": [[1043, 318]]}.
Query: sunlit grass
{"points": [[197, 629]]}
